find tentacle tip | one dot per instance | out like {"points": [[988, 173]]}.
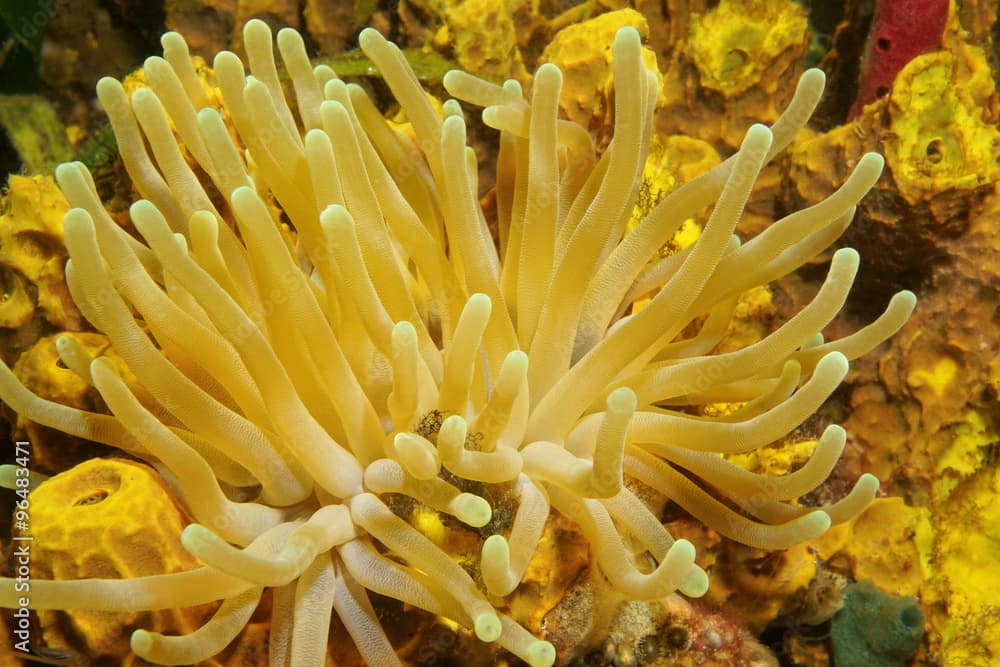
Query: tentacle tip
{"points": [[417, 455], [847, 255], [454, 426], [548, 70], [473, 510], [682, 549], [103, 369], [335, 214], [107, 85], [835, 431], [289, 36], [172, 37], [835, 363], [257, 26], [450, 79], [758, 132], [194, 535], [815, 525], [454, 124], [207, 115], [695, 584], [255, 90], [226, 58], [331, 110], [541, 654], [875, 159], [868, 484], [792, 366], [141, 643], [76, 217], [628, 35], [835, 359], [8, 476], [243, 195], [487, 627], [480, 300], [518, 356], [906, 299], [403, 330], [496, 551], [491, 115], [622, 400], [151, 63], [451, 107], [513, 88], [65, 170], [813, 74], [142, 207], [368, 38]]}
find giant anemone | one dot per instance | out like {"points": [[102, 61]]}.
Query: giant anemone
{"points": [[319, 316]]}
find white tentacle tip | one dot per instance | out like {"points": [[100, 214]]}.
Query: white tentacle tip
{"points": [[479, 301], [404, 330], [681, 552], [835, 432], [867, 485], [814, 525], [172, 38], [621, 401], [541, 654], [835, 364], [487, 627], [875, 160], [813, 76], [496, 552], [472, 510], [195, 537], [368, 38], [906, 299], [66, 170], [256, 28], [695, 583], [108, 85], [758, 134], [77, 217], [628, 35], [289, 37], [847, 256], [141, 643], [451, 80], [454, 430]]}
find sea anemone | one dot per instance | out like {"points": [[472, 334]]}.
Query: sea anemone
{"points": [[319, 316]]}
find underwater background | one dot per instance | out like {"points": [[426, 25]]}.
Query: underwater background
{"points": [[911, 581]]}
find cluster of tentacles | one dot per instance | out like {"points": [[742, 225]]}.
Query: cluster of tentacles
{"points": [[319, 315]]}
